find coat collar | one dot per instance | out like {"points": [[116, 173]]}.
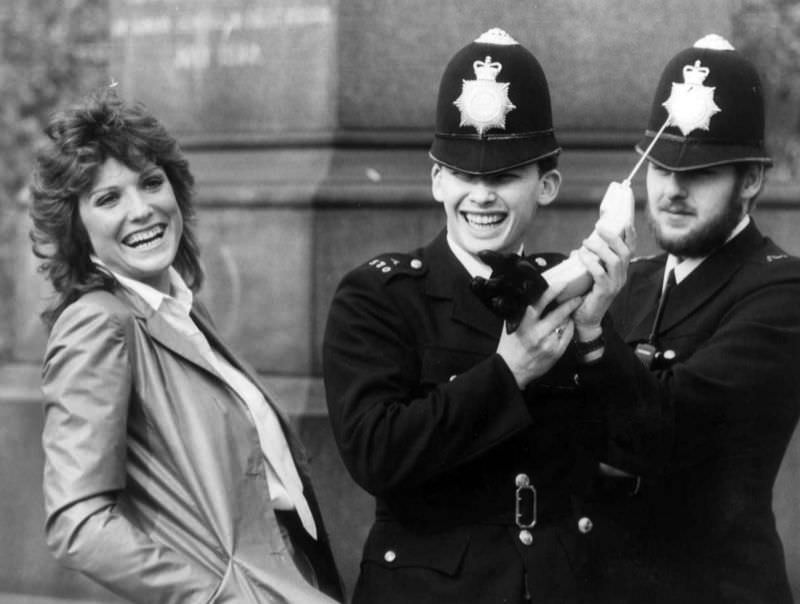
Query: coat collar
{"points": [[169, 337], [708, 278], [697, 288], [161, 331], [447, 279], [166, 335]]}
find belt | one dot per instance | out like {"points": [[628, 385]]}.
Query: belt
{"points": [[526, 510], [505, 503]]}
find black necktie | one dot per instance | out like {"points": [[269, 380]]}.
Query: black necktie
{"points": [[662, 302], [646, 351]]}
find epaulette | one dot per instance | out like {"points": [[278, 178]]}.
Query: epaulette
{"points": [[393, 264], [544, 261], [769, 258]]}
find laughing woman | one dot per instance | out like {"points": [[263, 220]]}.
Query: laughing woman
{"points": [[169, 475]]}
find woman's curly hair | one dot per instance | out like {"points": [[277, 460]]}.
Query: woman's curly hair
{"points": [[79, 140]]}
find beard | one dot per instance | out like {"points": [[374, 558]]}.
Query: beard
{"points": [[704, 240]]}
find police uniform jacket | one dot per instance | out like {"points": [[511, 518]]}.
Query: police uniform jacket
{"points": [[430, 420], [140, 426], [709, 422]]}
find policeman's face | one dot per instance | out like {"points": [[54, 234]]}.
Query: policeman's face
{"points": [[492, 212], [692, 213]]}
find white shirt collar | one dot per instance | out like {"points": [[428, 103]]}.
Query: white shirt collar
{"points": [[683, 268], [154, 298], [474, 267]]}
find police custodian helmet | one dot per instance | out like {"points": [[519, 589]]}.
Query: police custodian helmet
{"points": [[713, 99], [493, 111]]}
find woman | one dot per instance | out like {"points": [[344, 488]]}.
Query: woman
{"points": [[169, 476]]}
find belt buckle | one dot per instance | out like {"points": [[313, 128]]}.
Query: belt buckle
{"points": [[523, 484]]}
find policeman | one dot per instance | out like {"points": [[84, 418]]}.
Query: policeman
{"points": [[475, 440], [702, 363]]}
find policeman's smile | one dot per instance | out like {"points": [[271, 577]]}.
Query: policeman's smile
{"points": [[484, 220]]}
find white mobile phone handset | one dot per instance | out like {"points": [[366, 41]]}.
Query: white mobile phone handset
{"points": [[616, 213]]}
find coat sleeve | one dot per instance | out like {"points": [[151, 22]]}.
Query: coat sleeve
{"points": [[741, 376], [86, 381], [393, 431]]}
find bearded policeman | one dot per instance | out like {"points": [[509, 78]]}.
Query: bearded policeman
{"points": [[474, 439], [702, 363]]}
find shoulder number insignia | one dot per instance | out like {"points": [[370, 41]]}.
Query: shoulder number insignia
{"points": [[774, 257], [389, 264]]}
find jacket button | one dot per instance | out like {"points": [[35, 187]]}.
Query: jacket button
{"points": [[585, 525], [390, 556], [526, 537], [522, 480], [416, 264], [669, 354]]}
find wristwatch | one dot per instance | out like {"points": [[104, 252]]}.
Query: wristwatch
{"points": [[584, 349]]}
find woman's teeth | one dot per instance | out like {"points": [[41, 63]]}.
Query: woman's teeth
{"points": [[142, 240]]}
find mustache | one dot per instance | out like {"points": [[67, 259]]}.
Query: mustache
{"points": [[677, 207]]}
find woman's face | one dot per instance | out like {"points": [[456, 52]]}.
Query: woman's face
{"points": [[133, 221]]}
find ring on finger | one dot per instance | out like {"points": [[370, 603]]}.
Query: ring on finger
{"points": [[559, 331]]}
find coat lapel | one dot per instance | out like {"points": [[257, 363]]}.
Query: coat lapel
{"points": [[709, 277], [449, 280], [161, 331], [202, 320], [166, 335], [645, 292]]}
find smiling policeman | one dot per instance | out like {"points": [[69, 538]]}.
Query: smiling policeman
{"points": [[468, 436], [702, 363]]}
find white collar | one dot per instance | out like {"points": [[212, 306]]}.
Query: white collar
{"points": [[154, 298], [474, 267], [683, 268]]}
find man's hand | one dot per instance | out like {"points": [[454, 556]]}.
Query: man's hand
{"points": [[606, 255], [540, 340]]}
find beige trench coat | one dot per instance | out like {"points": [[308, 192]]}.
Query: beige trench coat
{"points": [[154, 478]]}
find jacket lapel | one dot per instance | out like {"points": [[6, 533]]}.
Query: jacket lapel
{"points": [[161, 331], [449, 280], [166, 335], [644, 293], [202, 320], [709, 277]]}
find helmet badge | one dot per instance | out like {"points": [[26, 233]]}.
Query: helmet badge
{"points": [[484, 101], [691, 104]]}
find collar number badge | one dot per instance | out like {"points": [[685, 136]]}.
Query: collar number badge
{"points": [[484, 102], [691, 104]]}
